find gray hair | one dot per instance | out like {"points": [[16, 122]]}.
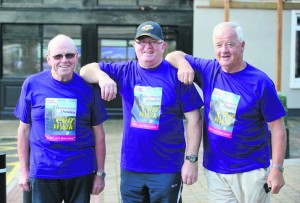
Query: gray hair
{"points": [[238, 29]]}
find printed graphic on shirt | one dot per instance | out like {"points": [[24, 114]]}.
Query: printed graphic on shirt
{"points": [[60, 119], [146, 108], [222, 113]]}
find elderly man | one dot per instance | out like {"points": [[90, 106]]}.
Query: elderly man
{"points": [[61, 141], [241, 106]]}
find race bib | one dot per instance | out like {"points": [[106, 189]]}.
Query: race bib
{"points": [[146, 108], [223, 106], [60, 119]]}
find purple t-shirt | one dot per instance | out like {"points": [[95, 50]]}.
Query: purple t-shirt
{"points": [[61, 115], [154, 103], [237, 109]]}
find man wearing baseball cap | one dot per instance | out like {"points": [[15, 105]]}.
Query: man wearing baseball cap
{"points": [[150, 29], [155, 158]]}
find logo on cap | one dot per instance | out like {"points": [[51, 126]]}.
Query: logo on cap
{"points": [[147, 27]]}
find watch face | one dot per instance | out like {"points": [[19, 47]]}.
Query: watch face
{"points": [[103, 174], [192, 158]]}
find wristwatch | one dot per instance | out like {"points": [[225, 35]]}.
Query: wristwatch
{"points": [[192, 158], [280, 168], [101, 174]]}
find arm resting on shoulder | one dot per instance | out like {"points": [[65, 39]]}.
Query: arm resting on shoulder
{"points": [[23, 152], [278, 137], [185, 73], [189, 170], [93, 74], [100, 152]]}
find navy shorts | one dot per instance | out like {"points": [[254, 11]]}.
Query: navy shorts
{"points": [[150, 187], [75, 190]]}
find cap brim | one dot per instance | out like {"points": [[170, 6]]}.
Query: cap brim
{"points": [[148, 35]]}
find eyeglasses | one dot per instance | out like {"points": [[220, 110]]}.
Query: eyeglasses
{"points": [[60, 56], [151, 42], [267, 188]]}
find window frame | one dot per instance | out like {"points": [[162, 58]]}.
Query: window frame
{"points": [[43, 39], [294, 82]]}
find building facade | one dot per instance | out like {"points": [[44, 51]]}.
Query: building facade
{"points": [[260, 21], [102, 30]]}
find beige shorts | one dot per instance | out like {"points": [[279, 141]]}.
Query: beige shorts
{"points": [[238, 188]]}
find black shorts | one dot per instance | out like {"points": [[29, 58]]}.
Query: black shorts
{"points": [[157, 187]]}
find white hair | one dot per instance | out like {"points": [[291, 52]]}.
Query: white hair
{"points": [[238, 29], [59, 37]]}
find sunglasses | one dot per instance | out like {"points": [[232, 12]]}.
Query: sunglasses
{"points": [[60, 56], [267, 188]]}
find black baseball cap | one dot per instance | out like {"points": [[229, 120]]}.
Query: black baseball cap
{"points": [[150, 29]]}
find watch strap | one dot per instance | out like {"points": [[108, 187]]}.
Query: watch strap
{"points": [[101, 174]]}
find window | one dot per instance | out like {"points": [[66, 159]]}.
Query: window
{"points": [[295, 50], [49, 2], [22, 1], [157, 2], [115, 43], [21, 49], [25, 47], [117, 2], [166, 3], [116, 50]]}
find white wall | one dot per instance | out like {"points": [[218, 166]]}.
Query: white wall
{"points": [[260, 29]]}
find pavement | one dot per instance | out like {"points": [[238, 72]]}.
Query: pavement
{"points": [[196, 193]]}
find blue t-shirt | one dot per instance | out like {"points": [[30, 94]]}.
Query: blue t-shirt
{"points": [[61, 115], [237, 109], [154, 103]]}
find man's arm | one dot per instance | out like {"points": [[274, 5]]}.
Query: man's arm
{"points": [[185, 73], [100, 151], [189, 170], [93, 74], [23, 152], [278, 137]]}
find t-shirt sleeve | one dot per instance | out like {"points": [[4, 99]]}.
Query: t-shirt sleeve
{"points": [[23, 107], [271, 106], [190, 98]]}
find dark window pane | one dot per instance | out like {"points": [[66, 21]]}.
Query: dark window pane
{"points": [[297, 52], [115, 43], [62, 3], [115, 50], [116, 32], [157, 2], [12, 31], [22, 1], [171, 46], [50, 31], [24, 47], [20, 57], [117, 2]]}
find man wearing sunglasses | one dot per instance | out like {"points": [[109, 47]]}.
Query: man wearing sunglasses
{"points": [[155, 157], [61, 141]]}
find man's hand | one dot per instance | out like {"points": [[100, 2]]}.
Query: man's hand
{"points": [[185, 71], [275, 180], [108, 88], [24, 181], [98, 185], [189, 172], [186, 74]]}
